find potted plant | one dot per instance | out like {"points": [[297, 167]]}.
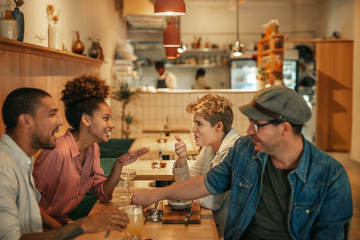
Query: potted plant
{"points": [[125, 96]]}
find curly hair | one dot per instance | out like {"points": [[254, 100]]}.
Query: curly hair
{"points": [[82, 96], [215, 109]]}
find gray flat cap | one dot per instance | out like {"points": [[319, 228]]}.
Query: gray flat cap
{"points": [[277, 103]]}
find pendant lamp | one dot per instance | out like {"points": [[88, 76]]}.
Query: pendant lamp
{"points": [[171, 52], [171, 35], [238, 47], [169, 7], [182, 48]]}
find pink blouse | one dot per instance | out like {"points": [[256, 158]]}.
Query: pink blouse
{"points": [[63, 181]]}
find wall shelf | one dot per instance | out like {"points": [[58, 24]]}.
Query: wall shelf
{"points": [[271, 57], [27, 48], [193, 66]]}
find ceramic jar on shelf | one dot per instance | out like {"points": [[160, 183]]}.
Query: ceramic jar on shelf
{"points": [[8, 26], [55, 37]]}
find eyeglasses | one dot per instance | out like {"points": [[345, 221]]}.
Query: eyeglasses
{"points": [[256, 126]]}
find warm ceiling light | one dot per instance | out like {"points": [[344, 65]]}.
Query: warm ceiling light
{"points": [[237, 50], [182, 48], [169, 7], [171, 35], [171, 52]]}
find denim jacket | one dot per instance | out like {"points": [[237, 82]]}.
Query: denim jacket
{"points": [[320, 201]]}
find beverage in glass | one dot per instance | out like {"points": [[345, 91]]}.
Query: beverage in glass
{"points": [[127, 175], [136, 221]]}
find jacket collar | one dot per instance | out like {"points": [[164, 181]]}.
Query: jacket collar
{"points": [[302, 168]]}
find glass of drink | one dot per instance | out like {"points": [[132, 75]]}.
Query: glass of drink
{"points": [[136, 220], [156, 163], [127, 175]]}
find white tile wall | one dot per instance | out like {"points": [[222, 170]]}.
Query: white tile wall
{"points": [[151, 109]]}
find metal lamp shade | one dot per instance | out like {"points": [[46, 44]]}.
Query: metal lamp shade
{"points": [[171, 35], [171, 52], [169, 7]]}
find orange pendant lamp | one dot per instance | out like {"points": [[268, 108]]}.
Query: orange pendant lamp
{"points": [[169, 7], [171, 52], [171, 35]]}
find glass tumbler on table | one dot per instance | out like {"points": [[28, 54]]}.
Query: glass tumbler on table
{"points": [[127, 175], [136, 220]]}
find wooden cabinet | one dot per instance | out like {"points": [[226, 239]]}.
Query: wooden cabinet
{"points": [[270, 57], [334, 60]]}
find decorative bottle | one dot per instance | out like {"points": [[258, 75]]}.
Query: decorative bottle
{"points": [[77, 46], [19, 17], [94, 50]]}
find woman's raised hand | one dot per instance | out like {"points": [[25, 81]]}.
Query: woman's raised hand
{"points": [[131, 156]]}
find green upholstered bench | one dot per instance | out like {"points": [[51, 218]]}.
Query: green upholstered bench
{"points": [[109, 151]]}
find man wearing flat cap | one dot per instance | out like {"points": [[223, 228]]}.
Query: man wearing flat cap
{"points": [[282, 186]]}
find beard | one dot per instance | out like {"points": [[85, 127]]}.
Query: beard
{"points": [[41, 142]]}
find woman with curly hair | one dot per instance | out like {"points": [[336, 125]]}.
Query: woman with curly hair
{"points": [[213, 117], [74, 168]]}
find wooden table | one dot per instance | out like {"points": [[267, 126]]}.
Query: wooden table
{"points": [[206, 230], [145, 172], [167, 147], [167, 131]]}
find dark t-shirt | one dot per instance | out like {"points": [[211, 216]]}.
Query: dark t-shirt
{"points": [[270, 219]]}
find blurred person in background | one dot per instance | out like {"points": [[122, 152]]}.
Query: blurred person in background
{"points": [[165, 79], [200, 80]]}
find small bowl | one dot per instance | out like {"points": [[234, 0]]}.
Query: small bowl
{"points": [[179, 205], [163, 140]]}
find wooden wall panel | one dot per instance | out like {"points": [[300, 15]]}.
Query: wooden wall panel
{"points": [[27, 65], [334, 94]]}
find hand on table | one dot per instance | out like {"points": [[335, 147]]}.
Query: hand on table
{"points": [[144, 198], [180, 147], [113, 219], [131, 156]]}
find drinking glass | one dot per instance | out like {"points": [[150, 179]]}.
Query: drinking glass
{"points": [[156, 163], [127, 175], [136, 221]]}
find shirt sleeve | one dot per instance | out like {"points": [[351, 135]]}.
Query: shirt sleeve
{"points": [[9, 222], [184, 173], [46, 173], [218, 179], [213, 202], [99, 179]]}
